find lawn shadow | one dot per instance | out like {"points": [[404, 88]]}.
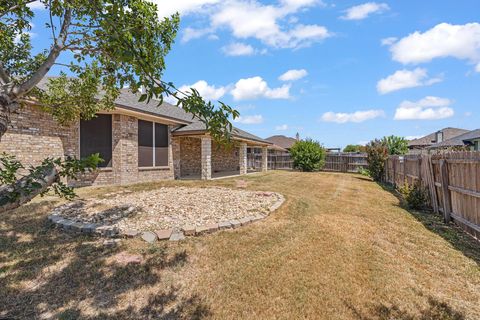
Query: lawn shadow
{"points": [[436, 309], [452, 233], [44, 270]]}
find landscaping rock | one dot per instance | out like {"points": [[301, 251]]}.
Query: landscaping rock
{"points": [[125, 258], [111, 242], [245, 221], [177, 236], [149, 237], [88, 228], [212, 227], [131, 233], [225, 225], [164, 234], [189, 230], [235, 223], [201, 230]]}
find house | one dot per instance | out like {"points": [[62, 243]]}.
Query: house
{"points": [[282, 141], [421, 144], [469, 140], [139, 142]]}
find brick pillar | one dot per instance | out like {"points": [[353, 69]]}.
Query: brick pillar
{"points": [[243, 158], [206, 158], [176, 156], [264, 159]]}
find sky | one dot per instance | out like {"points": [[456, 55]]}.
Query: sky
{"points": [[340, 72]]}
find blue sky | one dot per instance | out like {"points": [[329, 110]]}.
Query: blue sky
{"points": [[358, 69]]}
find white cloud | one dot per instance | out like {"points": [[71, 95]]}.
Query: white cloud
{"points": [[268, 23], [362, 11], [294, 74], [36, 5], [443, 40], [403, 79], [191, 33], [477, 68], [357, 116], [254, 119], [282, 127], [388, 41], [207, 91], [256, 87], [184, 7], [428, 108], [238, 49], [413, 137]]}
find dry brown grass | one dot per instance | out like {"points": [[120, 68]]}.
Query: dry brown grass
{"points": [[341, 247]]}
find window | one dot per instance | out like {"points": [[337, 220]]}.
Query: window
{"points": [[96, 137], [152, 144], [476, 146]]}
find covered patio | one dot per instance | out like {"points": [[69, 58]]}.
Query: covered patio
{"points": [[197, 156]]}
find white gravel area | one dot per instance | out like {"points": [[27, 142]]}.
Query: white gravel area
{"points": [[170, 207]]}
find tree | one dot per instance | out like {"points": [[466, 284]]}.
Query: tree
{"points": [[377, 154], [354, 148], [308, 155], [396, 145], [114, 44]]}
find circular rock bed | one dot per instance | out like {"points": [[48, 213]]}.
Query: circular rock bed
{"points": [[166, 213]]}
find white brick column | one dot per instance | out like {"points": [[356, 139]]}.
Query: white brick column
{"points": [[264, 159], [206, 158], [243, 158]]}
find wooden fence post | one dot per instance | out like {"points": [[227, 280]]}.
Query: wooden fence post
{"points": [[447, 206]]}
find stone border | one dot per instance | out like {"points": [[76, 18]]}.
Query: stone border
{"points": [[153, 236]]}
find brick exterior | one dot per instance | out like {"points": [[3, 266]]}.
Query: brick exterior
{"points": [[243, 158], [34, 135]]}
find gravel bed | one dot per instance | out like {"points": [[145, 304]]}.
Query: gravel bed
{"points": [[169, 207]]}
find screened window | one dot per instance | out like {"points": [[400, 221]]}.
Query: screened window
{"points": [[96, 137], [152, 144]]}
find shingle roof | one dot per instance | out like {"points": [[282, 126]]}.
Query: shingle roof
{"points": [[282, 141], [198, 126], [458, 140], [428, 140], [128, 100]]}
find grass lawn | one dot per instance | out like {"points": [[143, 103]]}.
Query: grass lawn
{"points": [[340, 247]]}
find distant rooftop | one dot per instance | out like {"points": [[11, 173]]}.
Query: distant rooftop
{"points": [[282, 141], [428, 140], [457, 141]]}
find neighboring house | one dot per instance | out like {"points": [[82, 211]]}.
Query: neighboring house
{"points": [[421, 144], [469, 140], [139, 141], [282, 141]]}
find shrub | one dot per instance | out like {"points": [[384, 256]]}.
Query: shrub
{"points": [[377, 154], [308, 155], [415, 195], [396, 145], [354, 148]]}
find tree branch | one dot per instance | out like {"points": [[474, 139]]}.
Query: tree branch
{"points": [[18, 5], [51, 58], [4, 78]]}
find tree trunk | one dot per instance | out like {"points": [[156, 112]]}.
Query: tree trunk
{"points": [[48, 177], [5, 103]]}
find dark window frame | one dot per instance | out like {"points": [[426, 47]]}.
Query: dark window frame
{"points": [[107, 164], [155, 145]]}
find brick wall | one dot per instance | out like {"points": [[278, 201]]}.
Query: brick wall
{"points": [[34, 135], [225, 158], [190, 156]]}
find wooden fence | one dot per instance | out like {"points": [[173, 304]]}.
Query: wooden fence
{"points": [[345, 162], [452, 180]]}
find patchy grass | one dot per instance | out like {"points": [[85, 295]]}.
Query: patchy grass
{"points": [[341, 247]]}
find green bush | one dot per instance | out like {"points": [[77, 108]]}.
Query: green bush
{"points": [[415, 195], [308, 155], [354, 148], [377, 154], [396, 145]]}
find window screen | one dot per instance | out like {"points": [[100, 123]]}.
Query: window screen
{"points": [[96, 137], [161, 145], [145, 143]]}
